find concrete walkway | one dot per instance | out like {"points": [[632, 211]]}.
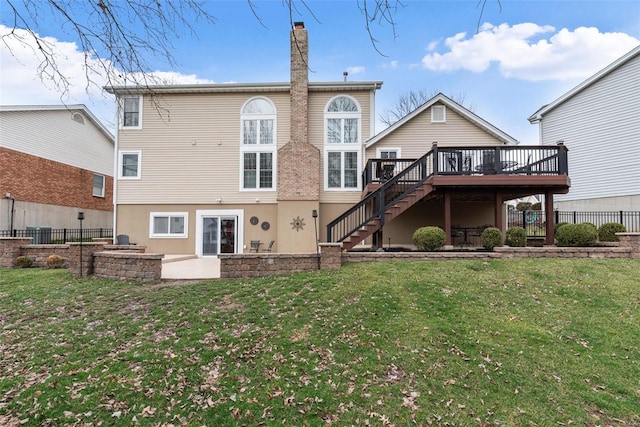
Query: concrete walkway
{"points": [[188, 267]]}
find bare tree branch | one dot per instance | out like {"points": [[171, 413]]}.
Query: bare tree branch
{"points": [[410, 101]]}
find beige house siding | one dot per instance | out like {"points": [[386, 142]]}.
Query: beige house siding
{"points": [[192, 153], [416, 137]]}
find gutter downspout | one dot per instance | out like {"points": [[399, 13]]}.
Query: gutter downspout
{"points": [[116, 158]]}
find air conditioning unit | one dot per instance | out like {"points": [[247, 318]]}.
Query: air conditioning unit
{"points": [[41, 235]]}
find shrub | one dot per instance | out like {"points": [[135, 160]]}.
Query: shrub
{"points": [[490, 238], [523, 206], [55, 261], [577, 235], [429, 238], [558, 225], [516, 237], [24, 262], [536, 206], [607, 232]]}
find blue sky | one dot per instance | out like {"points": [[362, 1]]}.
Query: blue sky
{"points": [[524, 54]]}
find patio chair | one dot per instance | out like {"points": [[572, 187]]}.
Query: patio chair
{"points": [[122, 239], [268, 248], [255, 246]]}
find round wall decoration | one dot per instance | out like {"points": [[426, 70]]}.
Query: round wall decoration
{"points": [[297, 224], [265, 225], [254, 220]]}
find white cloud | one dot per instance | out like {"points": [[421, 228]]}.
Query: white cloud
{"points": [[393, 65], [356, 70], [27, 80], [521, 52]]}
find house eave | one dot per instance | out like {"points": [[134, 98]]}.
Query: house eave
{"points": [[241, 88]]}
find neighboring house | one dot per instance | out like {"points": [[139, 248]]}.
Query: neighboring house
{"points": [[54, 162], [600, 121], [209, 169]]}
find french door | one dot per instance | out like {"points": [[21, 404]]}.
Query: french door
{"points": [[218, 232]]}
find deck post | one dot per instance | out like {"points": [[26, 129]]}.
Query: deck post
{"points": [[447, 218], [548, 211], [499, 212]]}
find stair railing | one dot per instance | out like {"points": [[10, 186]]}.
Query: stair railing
{"points": [[375, 204]]}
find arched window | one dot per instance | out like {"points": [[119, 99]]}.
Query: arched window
{"points": [[342, 150], [258, 144]]}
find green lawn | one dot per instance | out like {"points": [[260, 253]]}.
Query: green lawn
{"points": [[508, 342]]}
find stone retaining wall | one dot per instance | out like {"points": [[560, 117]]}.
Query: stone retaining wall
{"points": [[122, 262], [40, 253], [261, 265], [121, 265]]}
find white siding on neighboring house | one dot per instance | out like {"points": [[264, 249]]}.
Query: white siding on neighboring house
{"points": [[601, 127], [53, 135]]}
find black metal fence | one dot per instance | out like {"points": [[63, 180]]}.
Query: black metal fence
{"points": [[534, 221], [46, 235]]}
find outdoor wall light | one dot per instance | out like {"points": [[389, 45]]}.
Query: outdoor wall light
{"points": [[80, 218]]}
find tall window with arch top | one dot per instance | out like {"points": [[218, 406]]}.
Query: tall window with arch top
{"points": [[342, 151], [258, 144]]}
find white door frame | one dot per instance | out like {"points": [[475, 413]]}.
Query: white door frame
{"points": [[238, 213]]}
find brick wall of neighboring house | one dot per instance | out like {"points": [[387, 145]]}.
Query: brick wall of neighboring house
{"points": [[34, 179]]}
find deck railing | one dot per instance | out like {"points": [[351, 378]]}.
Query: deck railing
{"points": [[495, 160]]}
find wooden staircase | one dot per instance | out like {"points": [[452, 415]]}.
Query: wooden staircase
{"points": [[384, 204], [390, 213]]}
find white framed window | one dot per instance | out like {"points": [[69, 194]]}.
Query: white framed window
{"points": [[131, 112], [387, 153], [258, 145], [438, 114], [98, 185], [130, 164], [342, 146], [168, 224]]}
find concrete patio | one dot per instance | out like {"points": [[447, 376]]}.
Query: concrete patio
{"points": [[189, 267]]}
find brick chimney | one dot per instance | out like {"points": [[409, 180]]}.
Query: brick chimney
{"points": [[299, 83], [298, 160]]}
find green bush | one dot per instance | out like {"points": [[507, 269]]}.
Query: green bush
{"points": [[490, 238], [584, 234], [429, 238], [607, 232], [24, 262], [558, 225], [536, 206], [516, 237]]}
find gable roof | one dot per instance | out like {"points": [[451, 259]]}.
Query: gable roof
{"points": [[537, 116], [71, 108], [462, 111]]}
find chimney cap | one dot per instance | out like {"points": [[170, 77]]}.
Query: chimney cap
{"points": [[298, 25]]}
